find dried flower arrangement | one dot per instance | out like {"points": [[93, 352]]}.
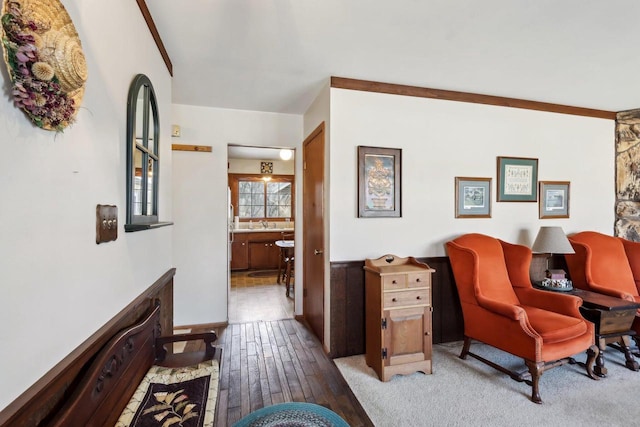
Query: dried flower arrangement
{"points": [[45, 61]]}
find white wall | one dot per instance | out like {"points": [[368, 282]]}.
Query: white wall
{"points": [[58, 286], [200, 207], [443, 139], [251, 166]]}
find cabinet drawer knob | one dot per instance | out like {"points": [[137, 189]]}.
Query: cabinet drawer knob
{"points": [[393, 282], [426, 333], [418, 297], [394, 299], [418, 279]]}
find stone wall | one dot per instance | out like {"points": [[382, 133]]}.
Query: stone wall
{"points": [[627, 222]]}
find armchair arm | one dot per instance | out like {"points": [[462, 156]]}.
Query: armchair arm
{"points": [[546, 300], [208, 337], [595, 287], [510, 311]]}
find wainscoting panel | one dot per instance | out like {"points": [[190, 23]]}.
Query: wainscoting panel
{"points": [[347, 306]]}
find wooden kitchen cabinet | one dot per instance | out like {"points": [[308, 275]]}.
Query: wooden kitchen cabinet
{"points": [[263, 255], [398, 316], [255, 250], [263, 252], [239, 252]]}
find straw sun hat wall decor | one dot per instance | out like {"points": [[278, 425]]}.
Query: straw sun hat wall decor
{"points": [[44, 57]]}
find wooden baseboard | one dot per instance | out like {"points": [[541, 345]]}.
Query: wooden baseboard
{"points": [[202, 327]]}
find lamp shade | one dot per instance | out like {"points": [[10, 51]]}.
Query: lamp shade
{"points": [[286, 154], [552, 240]]}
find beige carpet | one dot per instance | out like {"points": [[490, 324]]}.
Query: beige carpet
{"points": [[470, 393]]}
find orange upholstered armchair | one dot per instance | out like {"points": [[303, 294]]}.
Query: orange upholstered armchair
{"points": [[502, 309], [607, 265]]}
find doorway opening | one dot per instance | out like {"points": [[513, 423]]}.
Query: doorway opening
{"points": [[261, 200]]}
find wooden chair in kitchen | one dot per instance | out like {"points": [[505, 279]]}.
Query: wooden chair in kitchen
{"points": [[285, 267]]}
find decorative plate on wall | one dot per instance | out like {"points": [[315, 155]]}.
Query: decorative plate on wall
{"points": [[266, 167], [44, 57]]}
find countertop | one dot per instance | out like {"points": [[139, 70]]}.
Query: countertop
{"points": [[262, 230]]}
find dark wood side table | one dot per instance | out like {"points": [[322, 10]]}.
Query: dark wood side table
{"points": [[612, 318]]}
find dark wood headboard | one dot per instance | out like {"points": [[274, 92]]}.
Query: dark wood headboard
{"points": [[35, 406], [112, 377]]}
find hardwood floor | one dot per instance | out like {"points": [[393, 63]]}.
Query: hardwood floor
{"points": [[269, 362]]}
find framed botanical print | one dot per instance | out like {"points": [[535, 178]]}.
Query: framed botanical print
{"points": [[517, 179]]}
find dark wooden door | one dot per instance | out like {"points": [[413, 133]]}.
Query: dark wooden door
{"points": [[313, 231]]}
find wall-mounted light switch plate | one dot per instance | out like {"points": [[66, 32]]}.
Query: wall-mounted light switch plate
{"points": [[106, 223]]}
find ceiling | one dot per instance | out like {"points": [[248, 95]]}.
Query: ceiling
{"points": [[255, 153], [276, 55]]}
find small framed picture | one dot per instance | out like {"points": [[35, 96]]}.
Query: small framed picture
{"points": [[517, 179], [554, 199], [473, 197]]}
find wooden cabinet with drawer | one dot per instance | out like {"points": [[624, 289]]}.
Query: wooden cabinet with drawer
{"points": [[398, 316]]}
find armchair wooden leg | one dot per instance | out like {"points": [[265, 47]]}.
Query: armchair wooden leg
{"points": [[465, 348], [592, 353], [636, 338], [535, 369]]}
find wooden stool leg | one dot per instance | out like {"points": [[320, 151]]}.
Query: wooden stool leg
{"points": [[288, 275], [280, 269]]}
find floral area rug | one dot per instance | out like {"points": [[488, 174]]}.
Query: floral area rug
{"points": [[183, 396]]}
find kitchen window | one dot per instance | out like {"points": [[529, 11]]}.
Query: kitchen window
{"points": [[260, 197]]}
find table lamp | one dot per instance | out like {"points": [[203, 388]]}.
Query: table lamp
{"points": [[552, 240]]}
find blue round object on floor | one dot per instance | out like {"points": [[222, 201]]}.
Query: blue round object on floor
{"points": [[292, 414]]}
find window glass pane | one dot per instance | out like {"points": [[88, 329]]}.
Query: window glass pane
{"points": [[284, 211], [257, 211], [272, 211], [251, 199], [285, 199], [151, 143], [136, 198], [244, 187], [257, 199], [150, 178], [279, 200]]}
